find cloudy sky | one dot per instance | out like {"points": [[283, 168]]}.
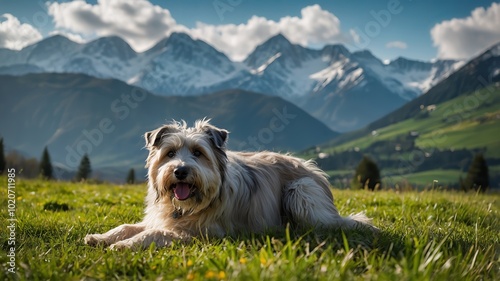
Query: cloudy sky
{"points": [[418, 29]]}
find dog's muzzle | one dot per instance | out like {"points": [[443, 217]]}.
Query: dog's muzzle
{"points": [[182, 190]]}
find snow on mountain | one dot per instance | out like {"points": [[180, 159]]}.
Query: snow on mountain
{"points": [[111, 56], [292, 71], [107, 57], [295, 54], [51, 54], [180, 65], [263, 67], [421, 76], [282, 68], [343, 73]]}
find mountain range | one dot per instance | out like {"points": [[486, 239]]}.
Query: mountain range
{"points": [[332, 84]]}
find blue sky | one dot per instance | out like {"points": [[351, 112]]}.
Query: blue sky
{"points": [[388, 28]]}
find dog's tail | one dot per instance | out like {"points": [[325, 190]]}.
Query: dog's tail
{"points": [[359, 220]]}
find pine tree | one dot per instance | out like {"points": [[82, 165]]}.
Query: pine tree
{"points": [[45, 166], [478, 176], [131, 176], [367, 175], [84, 169], [3, 163]]}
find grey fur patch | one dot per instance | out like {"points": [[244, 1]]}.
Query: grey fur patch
{"points": [[251, 179]]}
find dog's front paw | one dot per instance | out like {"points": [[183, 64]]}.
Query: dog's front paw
{"points": [[95, 240], [122, 245]]}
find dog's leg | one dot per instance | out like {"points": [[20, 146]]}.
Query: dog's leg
{"points": [[305, 201], [143, 240], [119, 233], [308, 205]]}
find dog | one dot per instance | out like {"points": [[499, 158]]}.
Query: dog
{"points": [[197, 187]]}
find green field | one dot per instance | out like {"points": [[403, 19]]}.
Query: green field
{"points": [[428, 235], [426, 179]]}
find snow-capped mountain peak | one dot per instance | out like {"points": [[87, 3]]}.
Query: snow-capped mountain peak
{"points": [[110, 47], [180, 65], [419, 76]]}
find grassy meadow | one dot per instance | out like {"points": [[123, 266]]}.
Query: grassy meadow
{"points": [[429, 235]]}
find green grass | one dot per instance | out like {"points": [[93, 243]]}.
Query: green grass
{"points": [[427, 178], [424, 236]]}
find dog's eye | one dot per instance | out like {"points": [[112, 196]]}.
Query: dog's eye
{"points": [[196, 153], [171, 154]]}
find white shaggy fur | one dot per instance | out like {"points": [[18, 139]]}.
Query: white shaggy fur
{"points": [[197, 187]]}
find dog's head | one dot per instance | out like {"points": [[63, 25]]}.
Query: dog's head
{"points": [[186, 165]]}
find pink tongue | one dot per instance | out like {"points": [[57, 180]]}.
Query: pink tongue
{"points": [[182, 191]]}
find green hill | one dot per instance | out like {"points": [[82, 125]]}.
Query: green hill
{"points": [[440, 136], [469, 121]]}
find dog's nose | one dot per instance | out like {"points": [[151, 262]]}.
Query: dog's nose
{"points": [[181, 172]]}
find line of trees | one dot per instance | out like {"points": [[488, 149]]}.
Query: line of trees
{"points": [[46, 171], [43, 168]]}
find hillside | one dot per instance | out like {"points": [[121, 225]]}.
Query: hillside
{"points": [[467, 121], [73, 114], [441, 136]]}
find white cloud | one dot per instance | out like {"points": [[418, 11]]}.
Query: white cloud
{"points": [[16, 35], [314, 26], [142, 24], [236, 41], [138, 22], [465, 37], [396, 44]]}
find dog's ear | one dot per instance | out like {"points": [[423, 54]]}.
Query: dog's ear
{"points": [[218, 136], [153, 138]]}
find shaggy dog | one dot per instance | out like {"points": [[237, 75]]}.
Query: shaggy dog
{"points": [[198, 187]]}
